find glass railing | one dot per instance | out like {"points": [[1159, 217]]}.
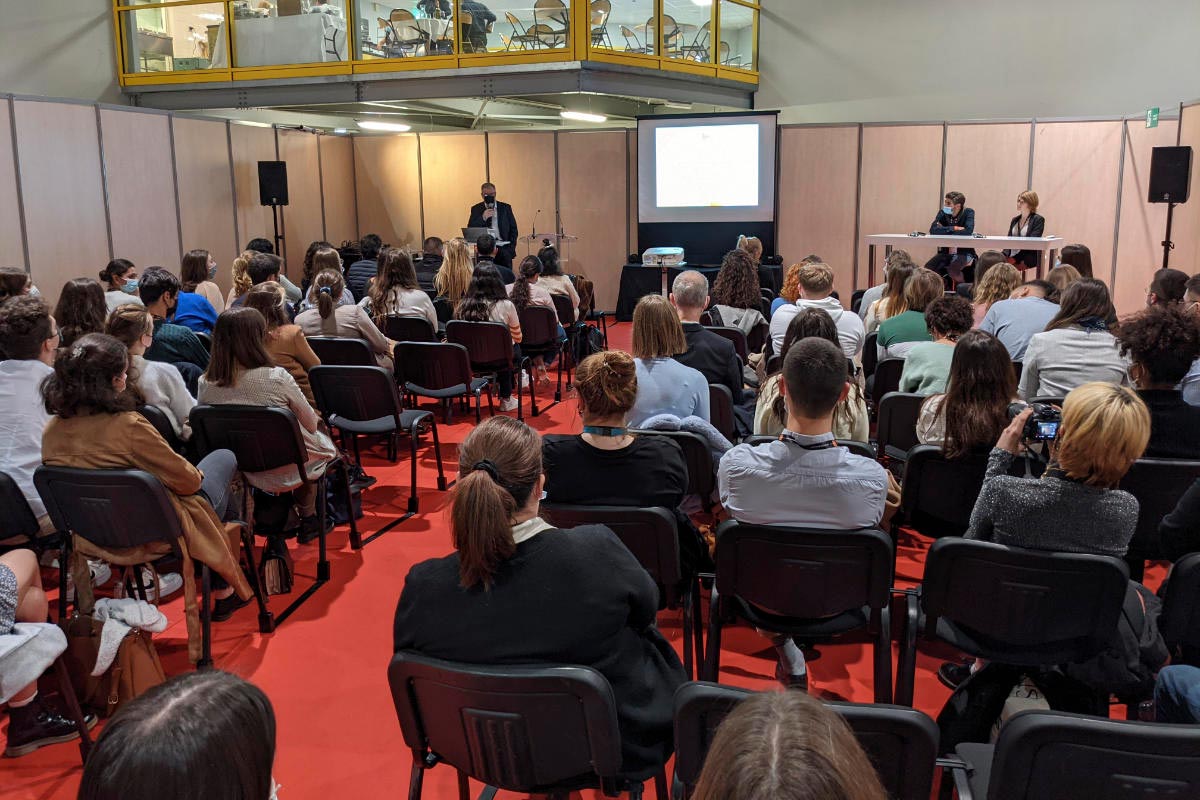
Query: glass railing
{"points": [[199, 40]]}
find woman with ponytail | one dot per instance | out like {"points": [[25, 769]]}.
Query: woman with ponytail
{"points": [[327, 318], [241, 277], [519, 591], [526, 291]]}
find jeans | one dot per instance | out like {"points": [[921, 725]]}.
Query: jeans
{"points": [[218, 467], [1177, 695], [504, 377]]}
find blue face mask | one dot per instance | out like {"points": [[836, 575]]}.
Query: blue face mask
{"points": [[212, 272], [948, 210], [130, 286]]}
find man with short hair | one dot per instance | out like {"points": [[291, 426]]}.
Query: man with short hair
{"points": [[498, 218], [1016, 320], [1190, 385], [173, 344], [1167, 287], [804, 479], [261, 245], [816, 291], [711, 355], [432, 254], [362, 271], [485, 250]]}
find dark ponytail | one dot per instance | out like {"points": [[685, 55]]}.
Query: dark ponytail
{"points": [[531, 267], [326, 290]]}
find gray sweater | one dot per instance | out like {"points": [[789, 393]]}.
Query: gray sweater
{"points": [[1059, 360], [1051, 513]]}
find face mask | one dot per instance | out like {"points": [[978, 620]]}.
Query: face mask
{"points": [[35, 291], [489, 198], [130, 286], [212, 272], [948, 210]]}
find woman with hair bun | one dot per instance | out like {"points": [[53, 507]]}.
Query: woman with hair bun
{"points": [[120, 281], [327, 318], [519, 591]]}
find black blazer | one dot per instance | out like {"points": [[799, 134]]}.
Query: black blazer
{"points": [[506, 222], [1037, 229], [944, 224], [714, 357]]}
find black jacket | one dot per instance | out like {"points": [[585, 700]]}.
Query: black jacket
{"points": [[1174, 425], [944, 224], [505, 221], [1180, 530], [427, 269], [713, 357], [1037, 229], [359, 275], [506, 274]]}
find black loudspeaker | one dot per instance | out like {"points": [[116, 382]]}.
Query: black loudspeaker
{"points": [[272, 183], [1170, 174]]}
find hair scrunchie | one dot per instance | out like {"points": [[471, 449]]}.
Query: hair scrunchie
{"points": [[325, 290], [486, 465]]}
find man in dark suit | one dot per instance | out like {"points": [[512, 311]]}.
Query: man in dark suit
{"points": [[498, 217], [432, 255]]}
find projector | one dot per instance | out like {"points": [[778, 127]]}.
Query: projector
{"points": [[663, 257]]}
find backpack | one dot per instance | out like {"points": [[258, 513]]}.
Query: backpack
{"points": [[588, 341]]}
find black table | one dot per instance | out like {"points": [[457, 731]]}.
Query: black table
{"points": [[638, 280]]}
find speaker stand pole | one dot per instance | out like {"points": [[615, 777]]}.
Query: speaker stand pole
{"points": [[1167, 244], [275, 219]]}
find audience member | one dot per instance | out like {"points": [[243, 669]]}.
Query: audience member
{"points": [[432, 255], [1076, 347], [363, 270], [196, 272], [816, 291], [1061, 277], [804, 478], [1179, 531], [987, 259], [710, 354], [751, 246], [850, 418], [891, 302], [159, 385], [1168, 287], [607, 465], [173, 344], [1077, 256], [14, 282], [786, 746], [324, 258], [343, 322], [737, 299], [1162, 342], [260, 268], [310, 267], [243, 373], [927, 365], [1025, 313], [81, 309], [874, 294], [120, 281], [395, 291], [518, 591], [264, 246], [899, 333], [241, 278], [553, 278], [991, 286], [145, 751], [664, 385], [486, 301], [285, 342], [1191, 307], [192, 310], [790, 291], [968, 417], [485, 249], [1177, 695], [455, 275], [527, 289]]}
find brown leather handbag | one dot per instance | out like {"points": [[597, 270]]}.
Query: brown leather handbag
{"points": [[135, 669]]}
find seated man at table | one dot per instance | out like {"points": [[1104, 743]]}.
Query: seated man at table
{"points": [[954, 219]]}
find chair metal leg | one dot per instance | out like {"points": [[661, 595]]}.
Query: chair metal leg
{"points": [[517, 381], [69, 697], [356, 542], [883, 657], [205, 661], [64, 567], [266, 621], [437, 453], [416, 777], [907, 663], [660, 785], [688, 650], [323, 571], [697, 626], [712, 660], [464, 787], [413, 433]]}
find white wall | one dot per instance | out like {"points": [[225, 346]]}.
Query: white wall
{"points": [[883, 60], [59, 48]]}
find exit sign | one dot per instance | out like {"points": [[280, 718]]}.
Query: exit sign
{"points": [[1152, 117]]}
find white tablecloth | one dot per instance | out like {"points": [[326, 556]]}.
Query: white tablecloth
{"points": [[296, 39]]}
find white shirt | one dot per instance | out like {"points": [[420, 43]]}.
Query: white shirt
{"points": [[22, 422], [115, 298], [164, 389], [851, 332]]}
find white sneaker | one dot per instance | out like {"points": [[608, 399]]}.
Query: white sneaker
{"points": [[171, 583], [508, 404], [100, 571]]}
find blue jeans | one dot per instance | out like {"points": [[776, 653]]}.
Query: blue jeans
{"points": [[218, 467], [1177, 695]]}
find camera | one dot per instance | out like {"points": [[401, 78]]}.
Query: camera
{"points": [[1042, 425]]}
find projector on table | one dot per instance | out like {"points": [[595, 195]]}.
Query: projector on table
{"points": [[663, 257]]}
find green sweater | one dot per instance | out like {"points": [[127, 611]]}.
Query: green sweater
{"points": [[926, 368], [898, 334]]}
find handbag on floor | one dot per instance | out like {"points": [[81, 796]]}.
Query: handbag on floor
{"points": [[276, 566]]}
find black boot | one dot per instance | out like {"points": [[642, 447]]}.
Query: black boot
{"points": [[37, 725]]}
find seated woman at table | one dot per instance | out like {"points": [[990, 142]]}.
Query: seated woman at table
{"points": [[1028, 223]]}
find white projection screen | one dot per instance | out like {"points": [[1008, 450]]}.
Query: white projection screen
{"points": [[707, 168]]}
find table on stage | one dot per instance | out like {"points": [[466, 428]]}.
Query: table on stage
{"points": [[1045, 244], [639, 280]]}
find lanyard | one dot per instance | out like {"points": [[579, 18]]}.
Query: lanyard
{"points": [[791, 437], [603, 430]]}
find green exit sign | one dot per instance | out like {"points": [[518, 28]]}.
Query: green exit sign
{"points": [[1152, 117]]}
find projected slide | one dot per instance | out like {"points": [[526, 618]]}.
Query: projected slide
{"points": [[707, 166]]}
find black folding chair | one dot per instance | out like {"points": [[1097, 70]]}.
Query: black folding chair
{"points": [[364, 401], [1180, 621], [897, 415], [539, 337], [652, 535], [264, 438], [1044, 754], [886, 378], [1158, 484], [531, 729], [870, 354], [901, 742], [490, 350], [938, 494], [863, 449], [1011, 606], [856, 300], [156, 417], [408, 329], [19, 520], [566, 318], [441, 371], [759, 335], [344, 352], [205, 339], [444, 310], [720, 411], [734, 335], [815, 585], [702, 472]]}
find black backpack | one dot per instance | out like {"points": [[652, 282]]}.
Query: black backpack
{"points": [[588, 341]]}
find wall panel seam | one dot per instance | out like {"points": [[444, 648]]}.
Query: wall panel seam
{"points": [[1117, 222], [321, 183], [857, 206], [233, 207], [104, 181], [175, 181], [16, 157]]}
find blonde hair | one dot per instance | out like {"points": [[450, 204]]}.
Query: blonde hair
{"points": [[454, 276], [996, 284], [922, 288], [241, 275], [1062, 276], [1105, 428], [1030, 199], [816, 278], [657, 332], [752, 246]]}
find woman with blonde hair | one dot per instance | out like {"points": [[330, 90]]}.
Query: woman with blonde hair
{"points": [[517, 590], [665, 386], [454, 277], [786, 746], [159, 384], [1062, 276], [751, 246], [1028, 223], [327, 318], [285, 342], [241, 277], [997, 283]]}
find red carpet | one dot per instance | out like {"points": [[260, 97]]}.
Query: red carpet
{"points": [[324, 668]]}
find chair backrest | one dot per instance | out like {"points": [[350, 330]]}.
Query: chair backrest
{"points": [[863, 449], [804, 573], [651, 534], [702, 473], [900, 741], [15, 511], [720, 410], [1180, 621], [856, 299], [887, 378], [549, 5], [1044, 754], [897, 416], [409, 329], [938, 494], [155, 416], [401, 14], [113, 508], [433, 365], [517, 728], [760, 333], [205, 339], [488, 344], [539, 327], [735, 335], [346, 352], [870, 353], [563, 307], [358, 394], [1158, 484], [598, 11], [444, 309], [261, 437], [1028, 607]]}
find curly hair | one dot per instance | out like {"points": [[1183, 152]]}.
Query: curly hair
{"points": [[737, 282], [24, 327], [1163, 340], [607, 384], [949, 316], [791, 284], [82, 383], [996, 284], [530, 269], [241, 274], [13, 282]]}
